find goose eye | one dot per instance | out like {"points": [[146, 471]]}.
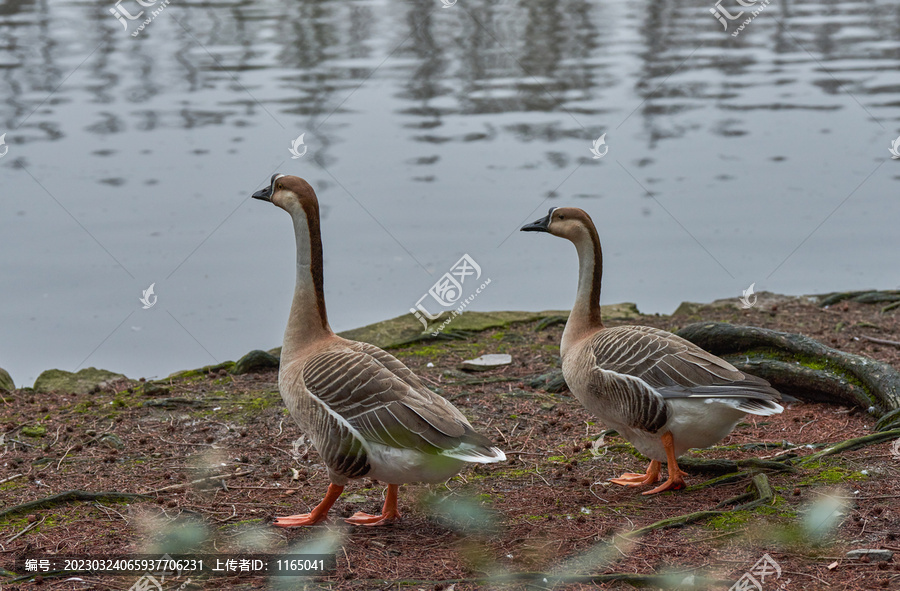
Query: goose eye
{"points": [[561, 217]]}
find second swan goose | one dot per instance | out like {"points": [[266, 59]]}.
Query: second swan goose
{"points": [[661, 392], [366, 413]]}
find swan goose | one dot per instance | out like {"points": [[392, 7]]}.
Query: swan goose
{"points": [[366, 413], [661, 392]]}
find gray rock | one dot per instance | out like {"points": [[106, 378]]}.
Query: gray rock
{"points": [[6, 381], [82, 382], [255, 361], [151, 389], [113, 441], [873, 554], [486, 362]]}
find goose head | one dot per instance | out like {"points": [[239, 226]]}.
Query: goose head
{"points": [[570, 223], [290, 193]]}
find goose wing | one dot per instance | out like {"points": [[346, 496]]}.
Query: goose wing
{"points": [[639, 367], [381, 400]]}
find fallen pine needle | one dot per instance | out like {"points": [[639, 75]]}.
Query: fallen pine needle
{"points": [[199, 481]]}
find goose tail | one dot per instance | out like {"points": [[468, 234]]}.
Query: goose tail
{"points": [[762, 408], [476, 454]]}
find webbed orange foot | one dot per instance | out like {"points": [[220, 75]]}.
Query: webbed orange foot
{"points": [[317, 515], [372, 520], [389, 513], [300, 520], [632, 479], [674, 482]]}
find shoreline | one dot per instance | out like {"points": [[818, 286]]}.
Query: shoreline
{"points": [[406, 329]]}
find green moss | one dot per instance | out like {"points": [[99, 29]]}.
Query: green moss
{"points": [[34, 431], [17, 483], [488, 498], [427, 351], [195, 374], [833, 475], [814, 363], [83, 407], [500, 474], [730, 521], [119, 402], [259, 403]]}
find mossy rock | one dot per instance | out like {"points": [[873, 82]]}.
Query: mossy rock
{"points": [[81, 382], [761, 299], [254, 362], [405, 329], [800, 366], [6, 381], [201, 372]]}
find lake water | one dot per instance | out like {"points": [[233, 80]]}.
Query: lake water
{"points": [[430, 132]]}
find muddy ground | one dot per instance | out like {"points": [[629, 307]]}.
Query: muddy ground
{"points": [[535, 513]]}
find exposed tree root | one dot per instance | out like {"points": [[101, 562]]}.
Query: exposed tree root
{"points": [[800, 366], [69, 496], [695, 466], [851, 444]]}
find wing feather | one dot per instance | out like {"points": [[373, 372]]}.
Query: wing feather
{"points": [[638, 367], [384, 402]]}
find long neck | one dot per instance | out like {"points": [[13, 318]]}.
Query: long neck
{"points": [[308, 321], [585, 316]]}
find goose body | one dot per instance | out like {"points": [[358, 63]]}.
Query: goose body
{"points": [[661, 392], [366, 413]]}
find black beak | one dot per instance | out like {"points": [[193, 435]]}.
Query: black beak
{"points": [[263, 194], [541, 225], [266, 194]]}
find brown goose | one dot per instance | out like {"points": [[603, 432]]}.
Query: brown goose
{"points": [[366, 413], [662, 393]]}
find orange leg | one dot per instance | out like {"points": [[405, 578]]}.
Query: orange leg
{"points": [[676, 476], [631, 479], [320, 513], [389, 512]]}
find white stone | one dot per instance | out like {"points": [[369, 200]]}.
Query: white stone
{"points": [[486, 362]]}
